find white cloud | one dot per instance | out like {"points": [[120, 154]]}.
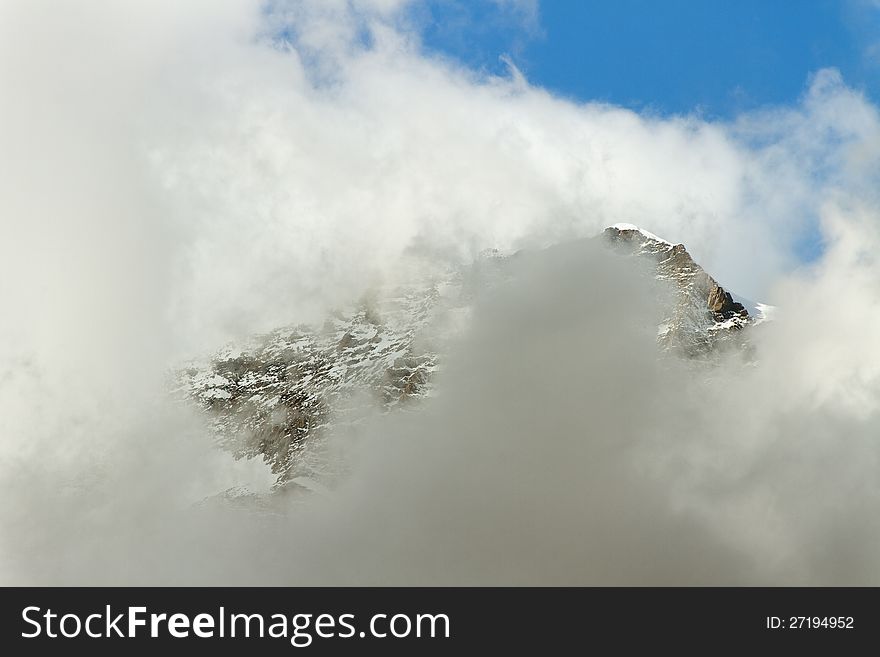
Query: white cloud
{"points": [[171, 177]]}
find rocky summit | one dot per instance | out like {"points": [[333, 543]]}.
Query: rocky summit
{"points": [[281, 395], [704, 317]]}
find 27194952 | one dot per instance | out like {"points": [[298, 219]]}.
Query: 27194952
{"points": [[809, 623]]}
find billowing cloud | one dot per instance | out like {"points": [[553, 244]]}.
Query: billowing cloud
{"points": [[178, 174]]}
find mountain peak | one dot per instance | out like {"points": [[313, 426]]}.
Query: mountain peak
{"points": [[705, 314], [283, 396]]}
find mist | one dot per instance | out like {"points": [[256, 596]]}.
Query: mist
{"points": [[174, 177]]}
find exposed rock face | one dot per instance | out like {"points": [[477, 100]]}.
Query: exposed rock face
{"points": [[281, 395], [705, 315], [722, 305]]}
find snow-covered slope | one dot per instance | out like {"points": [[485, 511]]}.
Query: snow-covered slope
{"points": [[268, 397]]}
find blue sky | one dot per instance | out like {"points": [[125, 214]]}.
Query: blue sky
{"points": [[714, 57]]}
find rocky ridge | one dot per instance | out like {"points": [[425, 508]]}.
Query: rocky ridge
{"points": [[705, 317]]}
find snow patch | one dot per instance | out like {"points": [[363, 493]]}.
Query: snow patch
{"points": [[626, 226], [764, 312]]}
